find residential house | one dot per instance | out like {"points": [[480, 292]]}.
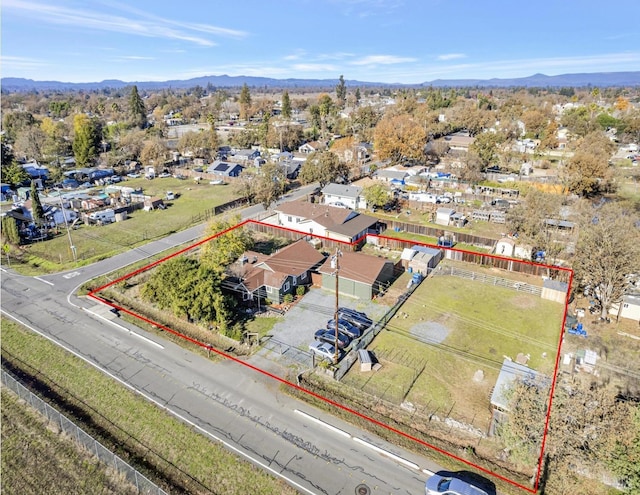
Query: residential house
{"points": [[245, 156], [281, 156], [358, 153], [272, 277], [225, 169], [391, 175], [348, 195], [629, 308], [459, 141], [291, 167], [359, 275], [311, 147], [340, 224]]}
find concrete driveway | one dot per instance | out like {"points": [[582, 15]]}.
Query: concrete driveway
{"points": [[292, 335]]}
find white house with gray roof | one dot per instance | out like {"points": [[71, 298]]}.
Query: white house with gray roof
{"points": [[348, 195]]}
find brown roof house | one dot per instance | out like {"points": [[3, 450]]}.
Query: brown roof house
{"points": [[271, 277], [359, 275], [340, 224]]}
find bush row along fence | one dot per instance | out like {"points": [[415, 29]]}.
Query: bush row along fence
{"points": [[137, 479], [488, 279]]}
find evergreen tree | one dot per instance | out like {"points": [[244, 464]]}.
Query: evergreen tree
{"points": [[286, 105], [341, 92], [245, 101], [10, 232], [85, 139], [36, 205], [137, 110]]}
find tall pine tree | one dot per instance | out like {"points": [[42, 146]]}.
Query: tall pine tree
{"points": [[341, 92], [137, 110], [36, 205], [245, 101], [286, 105]]}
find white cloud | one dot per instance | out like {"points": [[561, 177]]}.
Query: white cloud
{"points": [[383, 60], [15, 63], [451, 56], [141, 25], [132, 57], [314, 68], [296, 55]]}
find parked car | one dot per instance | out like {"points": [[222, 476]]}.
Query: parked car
{"points": [[325, 350], [329, 336], [344, 327], [216, 182], [441, 485], [339, 204], [164, 175], [356, 318], [133, 176]]}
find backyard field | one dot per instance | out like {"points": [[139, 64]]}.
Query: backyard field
{"points": [[92, 243], [442, 352]]}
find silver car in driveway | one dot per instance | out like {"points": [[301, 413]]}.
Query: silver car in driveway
{"points": [[444, 485], [325, 350]]}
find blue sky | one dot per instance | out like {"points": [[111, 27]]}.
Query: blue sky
{"points": [[405, 41]]}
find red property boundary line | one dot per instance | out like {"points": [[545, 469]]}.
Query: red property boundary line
{"points": [[93, 295]]}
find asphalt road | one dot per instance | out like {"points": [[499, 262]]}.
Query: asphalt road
{"points": [[227, 401]]}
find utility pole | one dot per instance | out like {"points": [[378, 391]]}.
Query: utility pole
{"points": [[66, 224], [335, 264]]}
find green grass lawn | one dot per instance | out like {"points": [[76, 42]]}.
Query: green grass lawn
{"points": [[479, 324], [94, 242]]}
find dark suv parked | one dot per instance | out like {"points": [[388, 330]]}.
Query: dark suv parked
{"points": [[356, 318], [324, 335], [344, 327]]}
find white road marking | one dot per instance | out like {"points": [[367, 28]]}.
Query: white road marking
{"points": [[71, 275], [395, 457], [320, 422], [124, 329], [44, 281]]}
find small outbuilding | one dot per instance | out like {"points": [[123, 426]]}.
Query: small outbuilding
{"points": [[420, 259], [554, 290], [444, 216], [505, 246]]}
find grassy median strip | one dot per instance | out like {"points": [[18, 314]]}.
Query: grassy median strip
{"points": [[150, 439], [38, 460]]}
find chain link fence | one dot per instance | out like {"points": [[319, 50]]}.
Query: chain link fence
{"points": [[141, 482]]}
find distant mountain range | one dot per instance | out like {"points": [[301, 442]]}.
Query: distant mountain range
{"points": [[599, 79]]}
